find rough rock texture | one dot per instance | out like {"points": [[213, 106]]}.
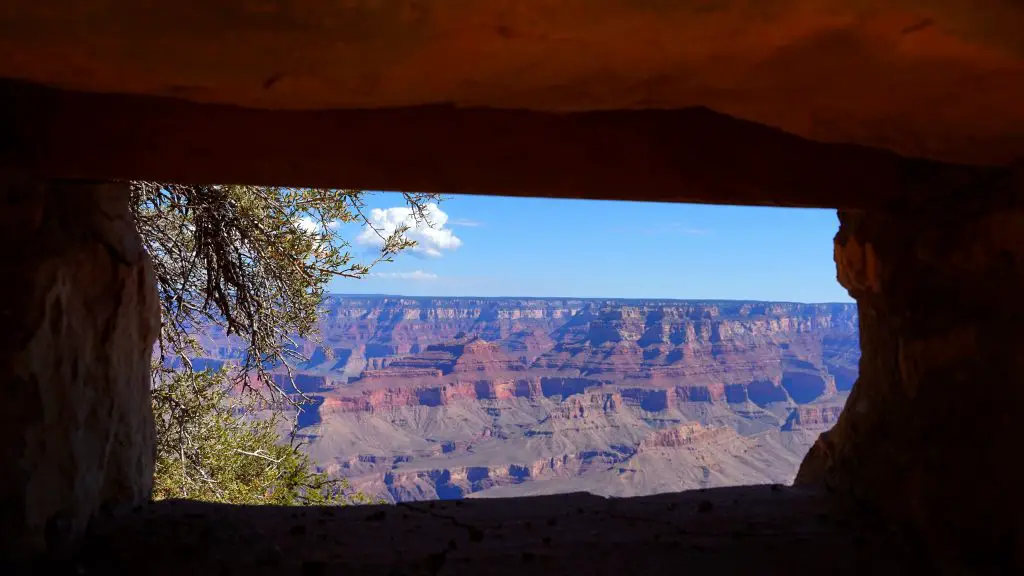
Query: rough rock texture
{"points": [[940, 293], [939, 78], [746, 530], [687, 435], [79, 315], [687, 155], [722, 101], [814, 417]]}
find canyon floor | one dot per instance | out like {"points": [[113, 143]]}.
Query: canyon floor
{"points": [[451, 398]]}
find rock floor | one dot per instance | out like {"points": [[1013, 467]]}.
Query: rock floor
{"points": [[746, 530]]}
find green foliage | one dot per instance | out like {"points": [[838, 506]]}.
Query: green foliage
{"points": [[255, 262], [213, 445]]}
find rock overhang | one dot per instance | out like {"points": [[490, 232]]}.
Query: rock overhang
{"points": [[695, 90], [938, 79]]}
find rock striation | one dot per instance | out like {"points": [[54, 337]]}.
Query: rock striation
{"points": [[661, 351], [422, 398]]}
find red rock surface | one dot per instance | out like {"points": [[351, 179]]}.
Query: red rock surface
{"points": [[422, 398], [659, 352], [939, 79], [686, 435], [813, 417]]}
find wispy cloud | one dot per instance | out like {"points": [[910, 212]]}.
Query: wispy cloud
{"points": [[431, 239], [465, 222], [678, 228], [414, 275]]}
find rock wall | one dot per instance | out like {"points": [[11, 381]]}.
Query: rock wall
{"points": [[798, 351], [940, 289], [79, 315]]}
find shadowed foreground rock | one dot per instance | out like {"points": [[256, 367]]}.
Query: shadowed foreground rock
{"points": [[940, 287], [79, 317], [757, 529], [935, 78]]}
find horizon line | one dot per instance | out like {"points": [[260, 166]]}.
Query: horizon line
{"points": [[470, 297]]}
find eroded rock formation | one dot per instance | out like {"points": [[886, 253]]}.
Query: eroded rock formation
{"points": [[425, 398], [939, 286], [663, 350], [80, 316]]}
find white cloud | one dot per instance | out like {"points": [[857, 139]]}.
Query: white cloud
{"points": [[311, 226], [430, 239], [414, 275]]}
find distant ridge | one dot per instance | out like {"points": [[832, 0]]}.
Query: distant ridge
{"points": [[591, 299]]}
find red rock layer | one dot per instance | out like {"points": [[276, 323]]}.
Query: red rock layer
{"points": [[812, 417]]}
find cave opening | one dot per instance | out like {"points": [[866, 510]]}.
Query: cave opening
{"points": [[712, 365], [924, 235]]}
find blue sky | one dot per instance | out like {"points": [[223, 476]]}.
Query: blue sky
{"points": [[495, 246]]}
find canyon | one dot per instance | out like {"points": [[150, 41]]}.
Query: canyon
{"points": [[415, 398]]}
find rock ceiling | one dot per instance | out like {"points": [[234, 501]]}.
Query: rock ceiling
{"points": [[939, 79]]}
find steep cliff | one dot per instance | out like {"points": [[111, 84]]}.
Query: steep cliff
{"points": [[450, 397], [701, 351]]}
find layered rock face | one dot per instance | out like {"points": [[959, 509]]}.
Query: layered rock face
{"points": [[80, 317], [939, 287], [380, 353], [812, 417], [451, 397], [736, 351]]}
